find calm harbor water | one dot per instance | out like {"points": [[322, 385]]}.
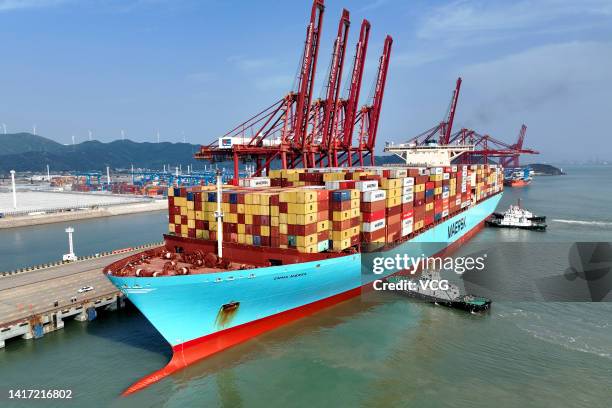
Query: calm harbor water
{"points": [[390, 353]]}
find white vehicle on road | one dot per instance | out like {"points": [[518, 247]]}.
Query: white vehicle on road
{"points": [[85, 289]]}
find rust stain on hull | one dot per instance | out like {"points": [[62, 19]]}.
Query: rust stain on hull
{"points": [[226, 314]]}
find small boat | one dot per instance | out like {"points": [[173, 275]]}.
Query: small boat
{"points": [[517, 217], [450, 297]]}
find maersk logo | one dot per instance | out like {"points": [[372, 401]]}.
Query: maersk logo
{"points": [[456, 227]]}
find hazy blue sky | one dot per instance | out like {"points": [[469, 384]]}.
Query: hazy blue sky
{"points": [[199, 67]]}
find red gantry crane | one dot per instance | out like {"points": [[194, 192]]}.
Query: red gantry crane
{"points": [[299, 132], [481, 147]]}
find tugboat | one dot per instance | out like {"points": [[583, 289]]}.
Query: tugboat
{"points": [[451, 297], [517, 217]]}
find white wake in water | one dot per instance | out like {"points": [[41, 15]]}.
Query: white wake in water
{"points": [[581, 222]]}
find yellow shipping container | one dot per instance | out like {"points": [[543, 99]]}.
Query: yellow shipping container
{"points": [[274, 211], [283, 218], [391, 183], [341, 215], [341, 245], [241, 238], [190, 205], [265, 230], [180, 201], [354, 231], [177, 219], [306, 240], [394, 192], [305, 196], [184, 230], [393, 201], [355, 203], [437, 190], [205, 234], [249, 239], [190, 223], [310, 249], [322, 226], [303, 219], [429, 206], [274, 221], [170, 191], [170, 227], [183, 210], [282, 228], [294, 208], [248, 219], [340, 235]]}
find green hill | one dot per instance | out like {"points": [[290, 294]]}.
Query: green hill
{"points": [[28, 152]]}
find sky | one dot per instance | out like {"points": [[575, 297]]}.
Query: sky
{"points": [[193, 69]]}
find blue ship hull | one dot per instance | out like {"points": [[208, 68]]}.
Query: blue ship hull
{"points": [[189, 310]]}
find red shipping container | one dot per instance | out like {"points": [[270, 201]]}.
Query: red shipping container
{"points": [[341, 205], [372, 216], [373, 207], [397, 209], [373, 236]]}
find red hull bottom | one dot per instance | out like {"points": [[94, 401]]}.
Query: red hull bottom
{"points": [[194, 350]]}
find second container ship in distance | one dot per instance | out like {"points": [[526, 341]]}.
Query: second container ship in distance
{"points": [[242, 259]]}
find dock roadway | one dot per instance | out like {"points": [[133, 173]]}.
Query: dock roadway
{"points": [[28, 305]]}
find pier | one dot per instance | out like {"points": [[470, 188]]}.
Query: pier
{"points": [[35, 301]]}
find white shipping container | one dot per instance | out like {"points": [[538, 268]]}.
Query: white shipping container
{"points": [[407, 198], [398, 173], [445, 194], [407, 226], [437, 170], [445, 213], [372, 196], [373, 226], [458, 201], [454, 169], [369, 185], [408, 181], [408, 190], [446, 176], [255, 182], [332, 185]]}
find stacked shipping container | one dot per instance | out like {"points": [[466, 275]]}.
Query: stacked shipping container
{"points": [[317, 210]]}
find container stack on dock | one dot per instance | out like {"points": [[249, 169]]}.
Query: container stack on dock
{"points": [[322, 209]]}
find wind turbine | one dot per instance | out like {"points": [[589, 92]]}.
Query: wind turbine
{"points": [[184, 140], [158, 136], [73, 142], [90, 133], [4, 127], [122, 134], [34, 129]]}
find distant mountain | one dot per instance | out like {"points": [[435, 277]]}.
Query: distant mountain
{"points": [[546, 169], [15, 143], [28, 152]]}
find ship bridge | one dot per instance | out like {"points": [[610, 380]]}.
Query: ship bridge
{"points": [[432, 155]]}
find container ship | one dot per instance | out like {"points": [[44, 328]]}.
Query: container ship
{"points": [[518, 177], [240, 260]]}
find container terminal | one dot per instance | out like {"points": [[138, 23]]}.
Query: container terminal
{"points": [[264, 247]]}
